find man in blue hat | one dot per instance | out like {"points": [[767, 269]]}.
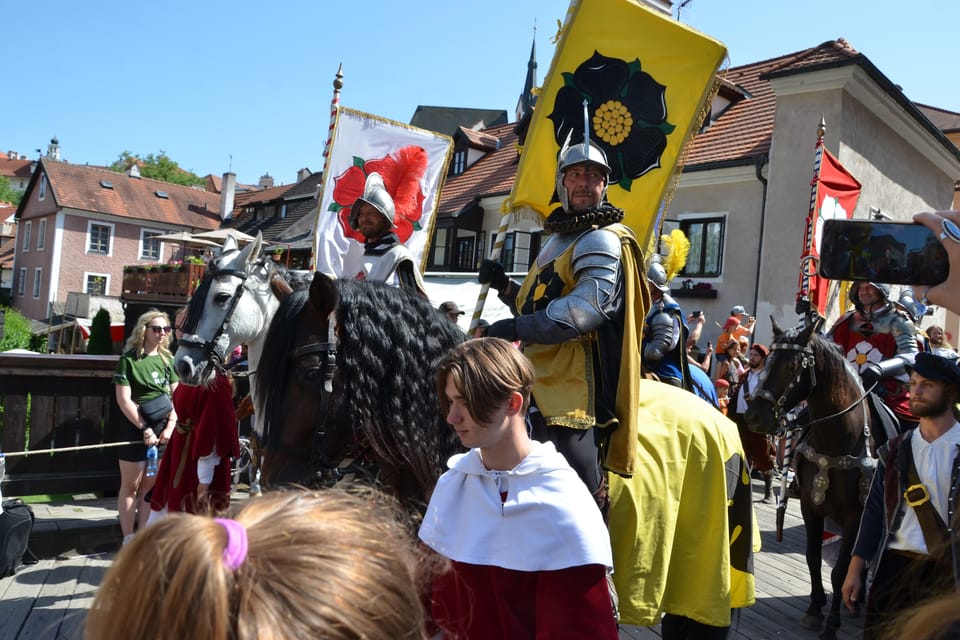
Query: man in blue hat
{"points": [[906, 532]]}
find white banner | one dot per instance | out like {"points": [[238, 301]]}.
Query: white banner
{"points": [[363, 144]]}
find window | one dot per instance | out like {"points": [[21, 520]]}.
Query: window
{"points": [[41, 235], [43, 187], [459, 162], [439, 248], [22, 281], [96, 284], [98, 238], [26, 235], [706, 246], [149, 245], [37, 277], [465, 254]]}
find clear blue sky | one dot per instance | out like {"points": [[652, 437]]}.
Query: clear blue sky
{"points": [[204, 81]]}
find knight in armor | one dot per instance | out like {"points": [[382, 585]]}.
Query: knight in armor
{"points": [[879, 338], [665, 331], [579, 315], [385, 258]]}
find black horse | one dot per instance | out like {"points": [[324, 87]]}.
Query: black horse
{"points": [[833, 461], [347, 385]]}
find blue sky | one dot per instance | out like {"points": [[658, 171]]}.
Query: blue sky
{"points": [[252, 81]]}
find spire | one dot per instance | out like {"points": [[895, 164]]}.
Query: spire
{"points": [[527, 97]]}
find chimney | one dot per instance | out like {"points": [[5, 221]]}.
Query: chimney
{"points": [[134, 171], [303, 174], [226, 195]]}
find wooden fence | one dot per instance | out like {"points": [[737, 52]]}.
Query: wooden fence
{"points": [[52, 401]]}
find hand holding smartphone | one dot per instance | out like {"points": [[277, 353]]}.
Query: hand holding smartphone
{"points": [[888, 252]]}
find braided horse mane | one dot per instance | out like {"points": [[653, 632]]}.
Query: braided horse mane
{"points": [[389, 342]]}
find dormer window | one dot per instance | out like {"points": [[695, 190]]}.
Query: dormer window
{"points": [[459, 161]]}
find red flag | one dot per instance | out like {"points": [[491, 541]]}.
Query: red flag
{"points": [[836, 197]]}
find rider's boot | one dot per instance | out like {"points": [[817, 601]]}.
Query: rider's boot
{"points": [[767, 487]]}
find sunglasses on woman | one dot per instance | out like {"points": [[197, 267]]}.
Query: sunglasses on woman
{"points": [[161, 329]]}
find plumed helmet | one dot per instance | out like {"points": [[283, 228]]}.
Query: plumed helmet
{"points": [[656, 274], [854, 296], [579, 154], [374, 194]]}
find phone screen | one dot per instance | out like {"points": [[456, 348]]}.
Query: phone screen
{"points": [[888, 252]]}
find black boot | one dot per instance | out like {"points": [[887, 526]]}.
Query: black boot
{"points": [[767, 487]]}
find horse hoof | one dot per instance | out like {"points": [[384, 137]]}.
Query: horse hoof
{"points": [[811, 622]]}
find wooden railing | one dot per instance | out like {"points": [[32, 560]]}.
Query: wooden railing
{"points": [[54, 401], [163, 284]]}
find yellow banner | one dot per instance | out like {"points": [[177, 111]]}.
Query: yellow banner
{"points": [[646, 79]]}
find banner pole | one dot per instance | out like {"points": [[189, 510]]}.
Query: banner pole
{"points": [[494, 255], [334, 110], [804, 291]]}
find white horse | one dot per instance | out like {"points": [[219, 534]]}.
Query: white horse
{"points": [[234, 304]]}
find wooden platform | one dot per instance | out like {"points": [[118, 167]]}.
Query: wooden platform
{"points": [[50, 599]]}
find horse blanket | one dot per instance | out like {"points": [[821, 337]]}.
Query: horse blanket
{"points": [[682, 527]]}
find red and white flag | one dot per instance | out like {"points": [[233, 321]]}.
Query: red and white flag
{"points": [[836, 198], [362, 144]]}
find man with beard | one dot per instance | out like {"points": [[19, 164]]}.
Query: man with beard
{"points": [[937, 344], [385, 258], [579, 314], [756, 445], [913, 494]]}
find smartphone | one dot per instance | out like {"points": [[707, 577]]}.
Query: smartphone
{"points": [[888, 252], [696, 314]]}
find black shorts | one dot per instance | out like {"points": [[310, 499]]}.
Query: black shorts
{"points": [[131, 452]]}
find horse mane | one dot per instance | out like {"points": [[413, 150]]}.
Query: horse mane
{"points": [[272, 370], [389, 343], [835, 375]]}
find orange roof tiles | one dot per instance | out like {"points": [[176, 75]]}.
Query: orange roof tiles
{"points": [[492, 174], [79, 187]]}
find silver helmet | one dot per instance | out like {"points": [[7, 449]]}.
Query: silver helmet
{"points": [[579, 154], [656, 274], [374, 194]]}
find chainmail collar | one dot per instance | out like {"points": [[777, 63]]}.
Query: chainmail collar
{"points": [[561, 221], [381, 245]]}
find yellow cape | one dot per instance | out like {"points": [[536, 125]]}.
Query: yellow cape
{"points": [[682, 527]]}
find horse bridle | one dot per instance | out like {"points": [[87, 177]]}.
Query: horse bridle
{"points": [[330, 471], [208, 347], [807, 363]]}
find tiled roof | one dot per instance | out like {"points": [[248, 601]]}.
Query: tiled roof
{"points": [[79, 187], [490, 175], [745, 129], [15, 168], [948, 121], [478, 139], [445, 120], [300, 200]]}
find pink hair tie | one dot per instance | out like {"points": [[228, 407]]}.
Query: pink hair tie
{"points": [[236, 551]]}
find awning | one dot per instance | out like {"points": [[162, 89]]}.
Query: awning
{"points": [[117, 330]]}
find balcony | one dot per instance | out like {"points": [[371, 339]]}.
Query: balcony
{"points": [[161, 283]]}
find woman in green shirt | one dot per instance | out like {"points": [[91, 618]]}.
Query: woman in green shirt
{"points": [[145, 371]]}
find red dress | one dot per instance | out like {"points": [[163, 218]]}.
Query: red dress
{"points": [[208, 414], [497, 603]]}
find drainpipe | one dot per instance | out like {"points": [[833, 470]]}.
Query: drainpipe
{"points": [[759, 162]]}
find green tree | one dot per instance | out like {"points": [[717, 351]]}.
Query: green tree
{"points": [[16, 333], [8, 193], [156, 167], [100, 342]]}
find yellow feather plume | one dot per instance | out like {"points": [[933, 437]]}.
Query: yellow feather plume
{"points": [[676, 248]]}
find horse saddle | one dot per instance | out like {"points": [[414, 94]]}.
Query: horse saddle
{"points": [[883, 419]]}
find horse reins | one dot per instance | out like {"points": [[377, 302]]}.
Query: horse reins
{"points": [[208, 347]]}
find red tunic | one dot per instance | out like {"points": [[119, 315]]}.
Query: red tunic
{"points": [[211, 414], [482, 602]]}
